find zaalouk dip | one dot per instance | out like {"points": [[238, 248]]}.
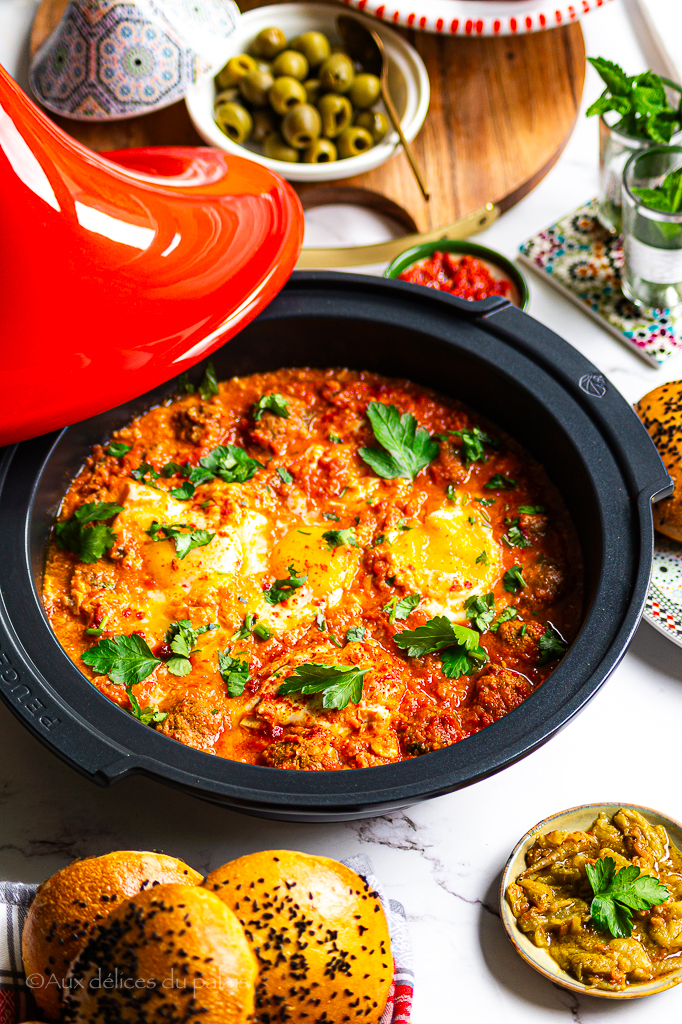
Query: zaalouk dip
{"points": [[313, 569], [464, 276]]}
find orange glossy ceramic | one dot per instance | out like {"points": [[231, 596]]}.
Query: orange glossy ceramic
{"points": [[116, 276]]}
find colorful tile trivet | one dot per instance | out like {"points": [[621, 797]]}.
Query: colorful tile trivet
{"points": [[109, 59], [584, 261]]}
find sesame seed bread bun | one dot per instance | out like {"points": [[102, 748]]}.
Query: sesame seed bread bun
{"points": [[74, 901], [173, 953], [319, 933], [661, 413]]}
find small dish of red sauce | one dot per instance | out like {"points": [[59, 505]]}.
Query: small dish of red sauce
{"points": [[464, 269]]}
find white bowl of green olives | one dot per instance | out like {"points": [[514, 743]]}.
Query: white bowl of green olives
{"points": [[290, 98]]}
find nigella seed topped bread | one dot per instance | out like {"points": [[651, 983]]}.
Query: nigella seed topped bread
{"points": [[661, 414], [319, 934], [174, 954], [71, 904]]}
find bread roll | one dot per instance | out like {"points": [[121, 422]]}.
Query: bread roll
{"points": [[172, 953], [319, 934], [74, 901], [661, 413]]}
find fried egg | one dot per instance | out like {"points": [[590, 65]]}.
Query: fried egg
{"points": [[452, 555]]}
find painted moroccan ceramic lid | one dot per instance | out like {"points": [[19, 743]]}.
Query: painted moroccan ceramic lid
{"points": [[122, 270], [111, 59]]}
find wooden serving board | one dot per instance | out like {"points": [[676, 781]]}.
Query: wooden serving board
{"points": [[502, 110]]}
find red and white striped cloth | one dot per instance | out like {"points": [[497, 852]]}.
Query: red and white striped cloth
{"points": [[17, 1006]]}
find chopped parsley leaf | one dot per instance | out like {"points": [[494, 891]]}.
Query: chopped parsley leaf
{"points": [[551, 645], [486, 501], [398, 610], [330, 515], [513, 581], [531, 510], [320, 622], [338, 538], [182, 637], [335, 439], [145, 473], [482, 558], [451, 493], [282, 589], [481, 610], [340, 685], [234, 671], [356, 634], [209, 383], [275, 403], [184, 542], [514, 537], [507, 615], [245, 629], [85, 533], [184, 492], [472, 444], [118, 449], [498, 482], [173, 469], [124, 659], [381, 539], [284, 475], [406, 448], [228, 462]]}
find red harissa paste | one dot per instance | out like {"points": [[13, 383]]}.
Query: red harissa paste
{"points": [[464, 276]]}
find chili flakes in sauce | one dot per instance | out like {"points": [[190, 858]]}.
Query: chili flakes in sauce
{"points": [[464, 276]]}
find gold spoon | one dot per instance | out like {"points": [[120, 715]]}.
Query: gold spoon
{"points": [[366, 47]]}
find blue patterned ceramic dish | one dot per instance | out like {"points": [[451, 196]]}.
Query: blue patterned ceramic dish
{"points": [[109, 59]]}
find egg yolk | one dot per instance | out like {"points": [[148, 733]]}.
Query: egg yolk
{"points": [[327, 568], [443, 558]]}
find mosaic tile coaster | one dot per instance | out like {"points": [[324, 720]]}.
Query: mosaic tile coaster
{"points": [[664, 602], [583, 260]]}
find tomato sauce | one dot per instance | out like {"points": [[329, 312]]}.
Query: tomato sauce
{"points": [[305, 555], [464, 276]]}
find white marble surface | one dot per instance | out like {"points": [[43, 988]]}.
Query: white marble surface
{"points": [[442, 859]]}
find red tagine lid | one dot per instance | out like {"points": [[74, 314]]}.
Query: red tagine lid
{"points": [[121, 271]]}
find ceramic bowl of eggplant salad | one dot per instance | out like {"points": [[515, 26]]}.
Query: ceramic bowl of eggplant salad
{"points": [[290, 97]]}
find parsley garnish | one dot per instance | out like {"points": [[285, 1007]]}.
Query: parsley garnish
{"points": [[498, 482], [466, 655], [335, 439], [398, 610], [182, 637], [284, 475], [451, 493], [640, 100], [514, 537], [486, 501], [144, 470], [513, 581], [89, 542], [481, 611], [124, 659], [184, 384], [118, 449], [356, 634], [230, 463], [482, 558], [530, 510], [320, 622], [406, 448], [173, 469], [209, 384], [184, 492], [273, 403], [282, 589], [380, 539], [506, 616], [338, 538], [551, 645], [618, 893], [339, 684], [234, 672], [330, 515], [472, 444], [184, 542], [246, 627], [262, 631], [98, 630]]}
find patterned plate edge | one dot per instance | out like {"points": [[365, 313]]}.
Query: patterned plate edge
{"points": [[662, 615]]}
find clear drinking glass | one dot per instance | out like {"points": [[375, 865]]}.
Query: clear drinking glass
{"points": [[652, 239], [615, 149]]}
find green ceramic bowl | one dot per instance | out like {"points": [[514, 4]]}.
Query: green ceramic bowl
{"points": [[520, 295], [573, 819]]}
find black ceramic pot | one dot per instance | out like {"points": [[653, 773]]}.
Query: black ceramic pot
{"points": [[493, 357]]}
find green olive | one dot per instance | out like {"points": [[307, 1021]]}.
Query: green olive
{"points": [[364, 91], [313, 90], [235, 69], [285, 93], [314, 46], [337, 73], [290, 63], [264, 124], [302, 126], [231, 95], [336, 113], [264, 65], [321, 152], [234, 120], [268, 43], [353, 141], [276, 148], [255, 86], [376, 124]]}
